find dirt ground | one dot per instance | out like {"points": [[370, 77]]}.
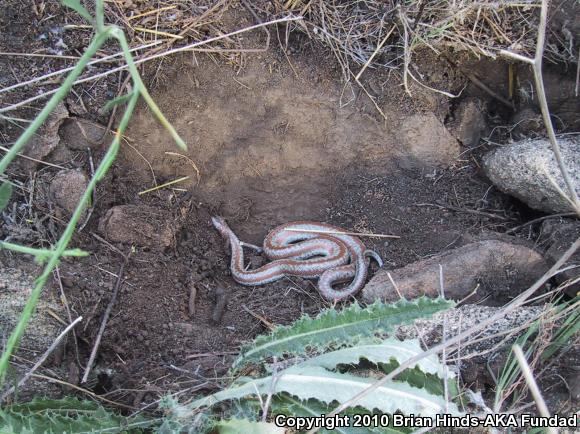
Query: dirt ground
{"points": [[273, 138]]}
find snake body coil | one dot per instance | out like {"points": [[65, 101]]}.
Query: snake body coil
{"points": [[315, 253]]}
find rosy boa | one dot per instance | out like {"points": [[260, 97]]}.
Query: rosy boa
{"points": [[332, 257]]}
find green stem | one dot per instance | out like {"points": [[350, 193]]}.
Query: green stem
{"points": [[56, 98], [100, 16], [40, 253], [120, 36], [64, 239]]}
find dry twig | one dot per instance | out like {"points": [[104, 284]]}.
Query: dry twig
{"points": [[105, 319], [40, 361], [532, 385]]}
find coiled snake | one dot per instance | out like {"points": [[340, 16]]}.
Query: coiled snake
{"points": [[305, 249]]}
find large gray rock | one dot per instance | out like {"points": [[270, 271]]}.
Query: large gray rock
{"points": [[15, 288], [524, 169], [16, 285], [499, 270]]}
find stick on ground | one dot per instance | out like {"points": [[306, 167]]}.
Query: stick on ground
{"points": [[42, 358], [105, 320]]}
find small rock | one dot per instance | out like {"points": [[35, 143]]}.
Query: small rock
{"points": [[140, 225], [67, 188], [80, 134], [525, 170], [469, 122], [500, 270], [427, 143], [46, 138], [562, 236]]}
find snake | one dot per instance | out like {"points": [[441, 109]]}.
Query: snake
{"points": [[305, 249]]}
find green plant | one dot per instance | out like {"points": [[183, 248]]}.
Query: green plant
{"points": [[67, 415], [537, 346], [52, 256], [337, 328], [334, 356], [5, 193]]}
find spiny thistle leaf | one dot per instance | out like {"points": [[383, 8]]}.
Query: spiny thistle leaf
{"points": [[67, 415], [327, 387], [417, 378], [332, 327], [244, 426], [427, 373], [381, 352]]}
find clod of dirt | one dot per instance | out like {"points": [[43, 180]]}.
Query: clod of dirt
{"points": [[46, 138], [498, 270], [140, 225], [469, 122], [562, 235], [67, 188], [527, 169], [80, 134], [427, 142]]}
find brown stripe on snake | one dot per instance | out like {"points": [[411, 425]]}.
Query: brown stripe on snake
{"points": [[304, 254]]}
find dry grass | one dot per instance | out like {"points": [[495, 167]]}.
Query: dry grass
{"points": [[355, 30], [360, 33]]}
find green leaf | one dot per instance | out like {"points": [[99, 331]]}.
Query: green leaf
{"points": [[67, 415], [428, 373], [244, 426], [382, 352], [116, 101], [417, 378], [328, 387], [5, 194], [333, 327], [79, 9]]}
